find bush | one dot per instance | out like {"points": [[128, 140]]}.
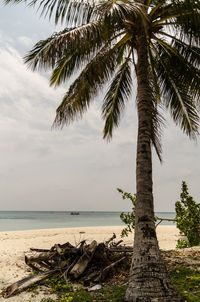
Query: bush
{"points": [[182, 243], [188, 218], [128, 218]]}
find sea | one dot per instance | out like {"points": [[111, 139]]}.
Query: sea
{"points": [[30, 220]]}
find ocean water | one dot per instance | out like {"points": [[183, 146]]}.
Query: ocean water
{"points": [[29, 220]]}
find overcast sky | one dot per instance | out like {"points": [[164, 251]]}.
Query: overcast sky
{"points": [[72, 169]]}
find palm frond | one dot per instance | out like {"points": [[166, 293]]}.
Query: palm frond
{"points": [[65, 67], [153, 78], [187, 62], [157, 120], [114, 101], [190, 52], [73, 13], [174, 92], [156, 8], [69, 64], [77, 100], [187, 67], [82, 40], [183, 17], [157, 123], [115, 13]]}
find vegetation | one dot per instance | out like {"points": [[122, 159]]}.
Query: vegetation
{"points": [[109, 41], [57, 286], [185, 280], [188, 218], [128, 218], [187, 283]]}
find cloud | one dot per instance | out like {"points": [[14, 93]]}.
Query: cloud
{"points": [[25, 41], [38, 163], [41, 169]]}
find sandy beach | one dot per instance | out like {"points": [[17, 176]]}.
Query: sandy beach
{"points": [[14, 245]]}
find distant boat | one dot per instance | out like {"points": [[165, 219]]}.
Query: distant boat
{"points": [[74, 213]]}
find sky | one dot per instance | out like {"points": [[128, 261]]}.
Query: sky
{"points": [[72, 169]]}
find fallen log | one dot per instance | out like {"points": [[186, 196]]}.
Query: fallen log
{"points": [[38, 250], [84, 260], [121, 249], [26, 282], [44, 256]]}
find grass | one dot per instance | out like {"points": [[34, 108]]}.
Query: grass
{"points": [[64, 292], [185, 281]]}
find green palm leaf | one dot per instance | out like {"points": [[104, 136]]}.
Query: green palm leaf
{"points": [[174, 75], [74, 13], [82, 40], [175, 94], [114, 101], [115, 13], [77, 100], [65, 67]]}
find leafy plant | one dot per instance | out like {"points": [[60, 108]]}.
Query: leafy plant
{"points": [[182, 243], [188, 218], [186, 282], [128, 218]]}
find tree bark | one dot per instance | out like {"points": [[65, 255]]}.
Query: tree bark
{"points": [[149, 279]]}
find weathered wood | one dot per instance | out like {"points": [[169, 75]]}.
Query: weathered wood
{"points": [[164, 219], [41, 257], [53, 254], [109, 268], [38, 250], [111, 239], [101, 255], [84, 260], [121, 249], [117, 243], [26, 282]]}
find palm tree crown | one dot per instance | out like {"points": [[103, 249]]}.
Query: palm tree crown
{"points": [[102, 43]]}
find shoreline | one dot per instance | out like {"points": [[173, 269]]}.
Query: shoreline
{"points": [[167, 235], [15, 244]]}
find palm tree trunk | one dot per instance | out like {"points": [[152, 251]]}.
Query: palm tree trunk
{"points": [[149, 280]]}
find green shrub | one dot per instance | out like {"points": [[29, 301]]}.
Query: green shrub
{"points": [[182, 243], [188, 218], [128, 218]]}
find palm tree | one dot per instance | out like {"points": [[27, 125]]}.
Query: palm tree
{"points": [[108, 42]]}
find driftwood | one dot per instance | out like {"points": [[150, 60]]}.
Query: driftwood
{"points": [[109, 268], [85, 262], [26, 282], [164, 219], [122, 249]]}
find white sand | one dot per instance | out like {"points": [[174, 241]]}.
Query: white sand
{"points": [[14, 244]]}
